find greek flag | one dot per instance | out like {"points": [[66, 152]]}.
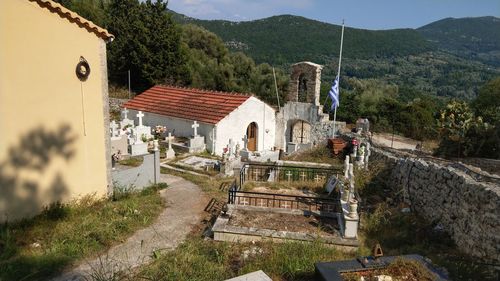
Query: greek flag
{"points": [[334, 93]]}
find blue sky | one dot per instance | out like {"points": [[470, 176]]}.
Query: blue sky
{"points": [[369, 14]]}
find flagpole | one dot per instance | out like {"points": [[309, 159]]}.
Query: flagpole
{"points": [[338, 75]]}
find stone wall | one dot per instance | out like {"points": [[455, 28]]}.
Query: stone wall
{"points": [[115, 104], [490, 165], [322, 131], [469, 210]]}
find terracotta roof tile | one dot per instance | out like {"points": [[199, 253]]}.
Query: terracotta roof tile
{"points": [[74, 18], [187, 103]]}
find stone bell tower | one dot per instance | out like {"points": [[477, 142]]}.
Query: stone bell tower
{"points": [[305, 82]]}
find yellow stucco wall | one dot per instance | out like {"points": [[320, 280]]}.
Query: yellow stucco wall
{"points": [[44, 154]]}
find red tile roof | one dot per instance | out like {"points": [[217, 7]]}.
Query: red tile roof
{"points": [[74, 18], [187, 103]]}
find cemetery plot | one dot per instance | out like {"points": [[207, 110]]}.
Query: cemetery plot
{"points": [[285, 222]]}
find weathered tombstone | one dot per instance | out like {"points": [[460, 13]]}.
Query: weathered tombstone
{"points": [[114, 129], [197, 142], [195, 128], [245, 142], [245, 153], [138, 147], [141, 130], [170, 153], [125, 121], [237, 150]]}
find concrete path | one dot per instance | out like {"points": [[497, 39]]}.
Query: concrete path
{"points": [[184, 207]]}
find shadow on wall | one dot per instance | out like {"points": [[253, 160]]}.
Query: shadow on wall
{"points": [[21, 195]]}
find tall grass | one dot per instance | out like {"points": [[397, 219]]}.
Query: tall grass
{"points": [[198, 260]]}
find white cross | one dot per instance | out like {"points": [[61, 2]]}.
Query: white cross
{"points": [[256, 173], [244, 202], [140, 115], [303, 176], [114, 127], [289, 174], [317, 178], [125, 113], [261, 203], [245, 142], [169, 139], [195, 127], [285, 205]]}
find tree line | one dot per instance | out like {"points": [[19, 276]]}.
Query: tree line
{"points": [[157, 50]]}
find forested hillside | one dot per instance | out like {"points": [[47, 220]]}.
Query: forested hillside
{"points": [[411, 59], [473, 38], [284, 39]]}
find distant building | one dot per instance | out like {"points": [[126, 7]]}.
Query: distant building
{"points": [[53, 107], [221, 116]]}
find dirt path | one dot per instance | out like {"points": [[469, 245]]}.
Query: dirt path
{"points": [[185, 203], [398, 143]]}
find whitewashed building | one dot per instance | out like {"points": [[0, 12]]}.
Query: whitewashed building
{"points": [[221, 116]]}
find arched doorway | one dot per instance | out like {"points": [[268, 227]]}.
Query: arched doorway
{"points": [[301, 132], [252, 136]]}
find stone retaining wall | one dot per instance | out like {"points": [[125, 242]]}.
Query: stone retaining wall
{"points": [[115, 104], [467, 209]]}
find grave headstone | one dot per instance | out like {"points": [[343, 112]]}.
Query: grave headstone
{"points": [[125, 121], [196, 143], [195, 128], [245, 153], [140, 130], [138, 147], [170, 153], [113, 126]]}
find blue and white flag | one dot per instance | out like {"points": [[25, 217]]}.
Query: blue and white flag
{"points": [[334, 93]]}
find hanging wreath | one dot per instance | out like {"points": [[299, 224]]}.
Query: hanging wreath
{"points": [[82, 69]]}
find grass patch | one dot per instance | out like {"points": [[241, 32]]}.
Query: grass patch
{"points": [[197, 259], [38, 248], [134, 161], [210, 185]]}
